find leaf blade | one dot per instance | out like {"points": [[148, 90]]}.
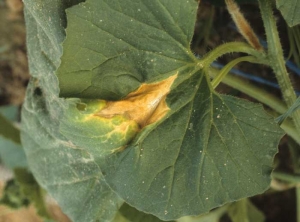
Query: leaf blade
{"points": [[289, 10], [155, 22], [194, 139], [210, 166], [67, 172]]}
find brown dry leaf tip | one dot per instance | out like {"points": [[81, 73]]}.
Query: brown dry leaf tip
{"points": [[243, 25], [146, 105]]}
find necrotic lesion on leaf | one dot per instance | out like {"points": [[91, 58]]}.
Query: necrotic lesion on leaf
{"points": [[112, 125], [146, 105]]}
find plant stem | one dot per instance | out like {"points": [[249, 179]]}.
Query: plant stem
{"points": [[230, 47], [292, 178], [277, 63], [276, 58], [226, 69], [290, 130]]}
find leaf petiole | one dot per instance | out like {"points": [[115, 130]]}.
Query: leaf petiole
{"points": [[226, 69], [230, 47]]}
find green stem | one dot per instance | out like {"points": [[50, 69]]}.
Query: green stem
{"points": [[290, 130], [230, 47], [291, 178], [276, 58], [226, 69]]}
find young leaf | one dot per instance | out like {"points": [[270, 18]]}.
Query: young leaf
{"points": [[290, 11], [205, 149], [68, 173]]}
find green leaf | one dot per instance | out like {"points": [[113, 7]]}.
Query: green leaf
{"points": [[203, 148], [203, 151], [133, 215], [245, 211], [68, 172], [108, 57], [290, 11], [207, 147]]}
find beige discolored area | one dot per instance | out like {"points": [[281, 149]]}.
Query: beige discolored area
{"points": [[146, 105]]}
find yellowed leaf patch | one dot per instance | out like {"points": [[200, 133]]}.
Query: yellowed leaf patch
{"points": [[146, 105]]}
